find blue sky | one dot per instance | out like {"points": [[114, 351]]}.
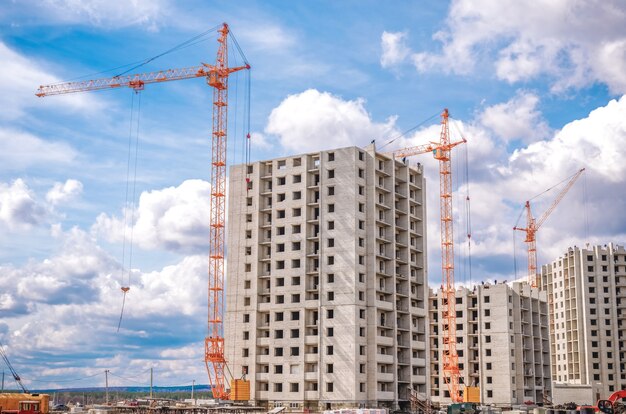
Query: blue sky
{"points": [[537, 91]]}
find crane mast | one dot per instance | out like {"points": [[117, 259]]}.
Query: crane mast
{"points": [[533, 225], [214, 357], [442, 152], [217, 77], [451, 374]]}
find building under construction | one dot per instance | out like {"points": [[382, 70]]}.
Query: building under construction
{"points": [[327, 291], [586, 290], [327, 296], [502, 344]]}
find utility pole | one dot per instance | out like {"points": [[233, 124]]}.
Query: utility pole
{"points": [[106, 384], [193, 383], [2, 390], [151, 378]]}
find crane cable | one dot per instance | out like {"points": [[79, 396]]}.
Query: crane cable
{"points": [[246, 160], [187, 43], [15, 375], [202, 37], [515, 241], [245, 157], [130, 211], [514, 255], [586, 209], [467, 206], [409, 130], [459, 262], [534, 197], [240, 213], [542, 193]]}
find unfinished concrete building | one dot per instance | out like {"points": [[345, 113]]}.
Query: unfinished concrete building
{"points": [[326, 289], [502, 343], [587, 299]]}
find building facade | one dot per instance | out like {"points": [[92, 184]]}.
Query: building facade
{"points": [[587, 299], [502, 343], [326, 280]]}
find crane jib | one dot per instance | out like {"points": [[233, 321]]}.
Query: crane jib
{"points": [[217, 77]]}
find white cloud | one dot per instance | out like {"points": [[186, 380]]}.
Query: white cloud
{"points": [[516, 119], [183, 283], [103, 13], [68, 305], [265, 37], [22, 209], [20, 76], [63, 192], [20, 150], [312, 120], [501, 181], [19, 207], [395, 50], [174, 218], [68, 277], [596, 141], [574, 43], [259, 140]]}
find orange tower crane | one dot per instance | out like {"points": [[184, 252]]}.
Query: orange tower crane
{"points": [[442, 152], [533, 225], [217, 77]]}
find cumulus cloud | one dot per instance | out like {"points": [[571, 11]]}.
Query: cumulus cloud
{"points": [[68, 306], [64, 192], [174, 219], [22, 209], [594, 143], [312, 120], [394, 48], [575, 43], [260, 141], [19, 207], [517, 119], [501, 181]]}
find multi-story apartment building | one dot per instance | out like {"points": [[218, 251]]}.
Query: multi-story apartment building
{"points": [[327, 288], [587, 299], [502, 343]]}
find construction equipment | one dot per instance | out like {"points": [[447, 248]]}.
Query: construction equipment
{"points": [[442, 151], [533, 225], [217, 77], [612, 405], [462, 408], [13, 372]]}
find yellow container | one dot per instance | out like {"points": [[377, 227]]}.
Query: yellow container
{"points": [[471, 395], [240, 390]]}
